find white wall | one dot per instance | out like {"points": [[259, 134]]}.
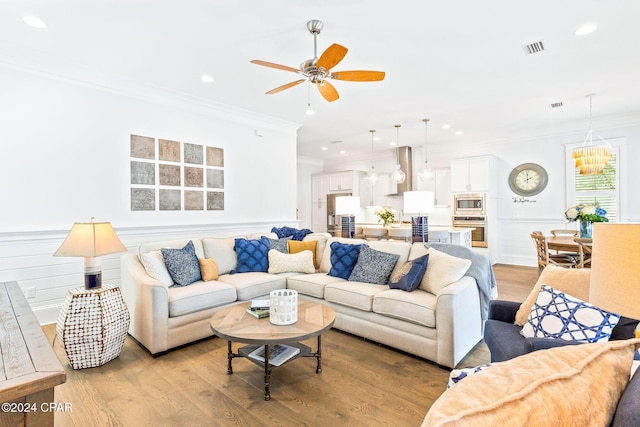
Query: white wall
{"points": [[66, 158]]}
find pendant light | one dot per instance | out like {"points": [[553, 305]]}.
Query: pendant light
{"points": [[591, 159], [425, 173], [398, 176], [372, 175]]}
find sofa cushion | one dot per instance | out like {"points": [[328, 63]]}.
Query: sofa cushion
{"points": [[301, 262], [321, 243], [373, 266], [417, 307], [325, 260], [408, 277], [295, 246], [221, 250], [442, 268], [344, 257], [254, 284], [353, 294], [561, 316], [208, 269], [311, 284], [252, 255], [575, 385], [182, 264], [574, 281], [392, 247], [279, 244], [155, 267], [199, 296]]}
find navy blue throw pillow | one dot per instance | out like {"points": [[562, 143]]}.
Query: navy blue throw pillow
{"points": [[344, 257], [252, 255], [182, 264], [408, 278]]}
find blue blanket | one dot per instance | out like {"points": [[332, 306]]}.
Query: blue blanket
{"points": [[480, 270], [294, 233]]}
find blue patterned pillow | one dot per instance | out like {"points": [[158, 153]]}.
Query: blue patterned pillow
{"points": [[458, 375], [182, 264], [373, 266], [562, 316], [344, 257], [408, 278], [253, 255], [281, 245]]}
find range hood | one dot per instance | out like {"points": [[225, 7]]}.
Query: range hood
{"points": [[404, 158]]}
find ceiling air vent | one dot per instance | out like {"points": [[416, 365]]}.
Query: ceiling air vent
{"points": [[556, 105], [532, 48]]}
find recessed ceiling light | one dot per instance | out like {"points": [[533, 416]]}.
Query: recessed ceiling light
{"points": [[446, 126], [586, 29], [392, 143], [34, 22], [324, 148], [342, 152], [459, 132], [206, 78]]}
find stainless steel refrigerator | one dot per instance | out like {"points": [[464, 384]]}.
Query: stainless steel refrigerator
{"points": [[334, 222]]}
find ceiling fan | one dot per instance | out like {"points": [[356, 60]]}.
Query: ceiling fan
{"points": [[317, 70]]}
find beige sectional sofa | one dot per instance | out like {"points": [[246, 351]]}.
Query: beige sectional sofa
{"points": [[441, 325]]}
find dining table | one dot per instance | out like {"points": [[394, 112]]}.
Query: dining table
{"points": [[562, 243]]}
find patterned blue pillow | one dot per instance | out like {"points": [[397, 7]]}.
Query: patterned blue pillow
{"points": [[182, 264], [281, 245], [458, 375], [408, 278], [373, 266], [344, 257], [253, 255], [562, 316]]}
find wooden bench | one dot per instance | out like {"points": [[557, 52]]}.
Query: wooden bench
{"points": [[29, 368]]}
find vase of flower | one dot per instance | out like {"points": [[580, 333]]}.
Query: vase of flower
{"points": [[385, 215], [586, 229]]}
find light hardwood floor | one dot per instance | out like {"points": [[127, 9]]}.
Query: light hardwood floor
{"points": [[362, 383]]}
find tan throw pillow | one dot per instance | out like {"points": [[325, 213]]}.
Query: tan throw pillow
{"points": [[442, 269], [577, 385], [208, 269], [296, 246], [300, 262], [572, 281]]}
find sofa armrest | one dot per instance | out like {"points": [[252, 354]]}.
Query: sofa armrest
{"points": [[628, 410], [504, 311], [148, 303], [458, 320]]}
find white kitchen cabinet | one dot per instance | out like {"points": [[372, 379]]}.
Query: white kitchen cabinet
{"points": [[474, 174], [345, 182], [319, 190], [374, 194], [440, 183]]}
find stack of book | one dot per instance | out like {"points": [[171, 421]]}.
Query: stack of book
{"points": [[259, 308], [278, 353]]}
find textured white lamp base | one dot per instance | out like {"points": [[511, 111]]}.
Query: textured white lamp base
{"points": [[283, 309], [92, 325]]}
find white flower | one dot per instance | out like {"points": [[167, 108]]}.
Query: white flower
{"points": [[571, 214], [589, 210]]}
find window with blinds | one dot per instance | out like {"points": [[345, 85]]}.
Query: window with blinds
{"points": [[601, 189]]}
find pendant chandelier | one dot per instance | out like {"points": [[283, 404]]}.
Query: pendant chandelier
{"points": [[372, 175], [425, 173], [591, 159], [398, 176]]}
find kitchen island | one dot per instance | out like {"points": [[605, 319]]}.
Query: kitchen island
{"points": [[453, 235]]}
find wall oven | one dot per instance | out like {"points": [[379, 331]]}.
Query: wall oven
{"points": [[469, 204], [479, 225]]}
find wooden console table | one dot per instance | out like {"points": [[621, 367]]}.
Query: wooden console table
{"points": [[29, 368]]}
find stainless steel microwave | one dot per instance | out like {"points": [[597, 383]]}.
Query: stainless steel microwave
{"points": [[469, 204]]}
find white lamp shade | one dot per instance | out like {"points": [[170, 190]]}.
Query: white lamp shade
{"points": [[347, 205], [90, 239], [615, 270], [418, 201]]}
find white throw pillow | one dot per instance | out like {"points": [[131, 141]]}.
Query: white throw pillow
{"points": [[300, 262], [155, 267], [442, 269]]}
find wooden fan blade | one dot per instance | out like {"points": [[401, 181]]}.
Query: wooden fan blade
{"points": [[328, 91], [287, 86], [331, 57], [273, 65], [358, 76]]}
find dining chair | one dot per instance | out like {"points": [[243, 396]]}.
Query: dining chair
{"points": [[564, 233], [584, 250], [545, 258]]}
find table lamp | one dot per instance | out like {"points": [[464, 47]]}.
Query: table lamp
{"points": [[91, 240], [419, 202], [348, 207], [615, 271]]}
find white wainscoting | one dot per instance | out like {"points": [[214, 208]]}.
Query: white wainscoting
{"points": [[27, 257]]}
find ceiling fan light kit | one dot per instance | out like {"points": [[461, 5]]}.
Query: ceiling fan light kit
{"points": [[317, 69]]}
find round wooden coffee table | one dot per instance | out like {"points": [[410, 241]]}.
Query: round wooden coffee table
{"points": [[236, 325]]}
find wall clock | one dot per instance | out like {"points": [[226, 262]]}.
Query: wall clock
{"points": [[528, 179]]}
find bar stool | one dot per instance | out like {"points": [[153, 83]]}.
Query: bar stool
{"points": [[374, 233], [399, 234]]}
